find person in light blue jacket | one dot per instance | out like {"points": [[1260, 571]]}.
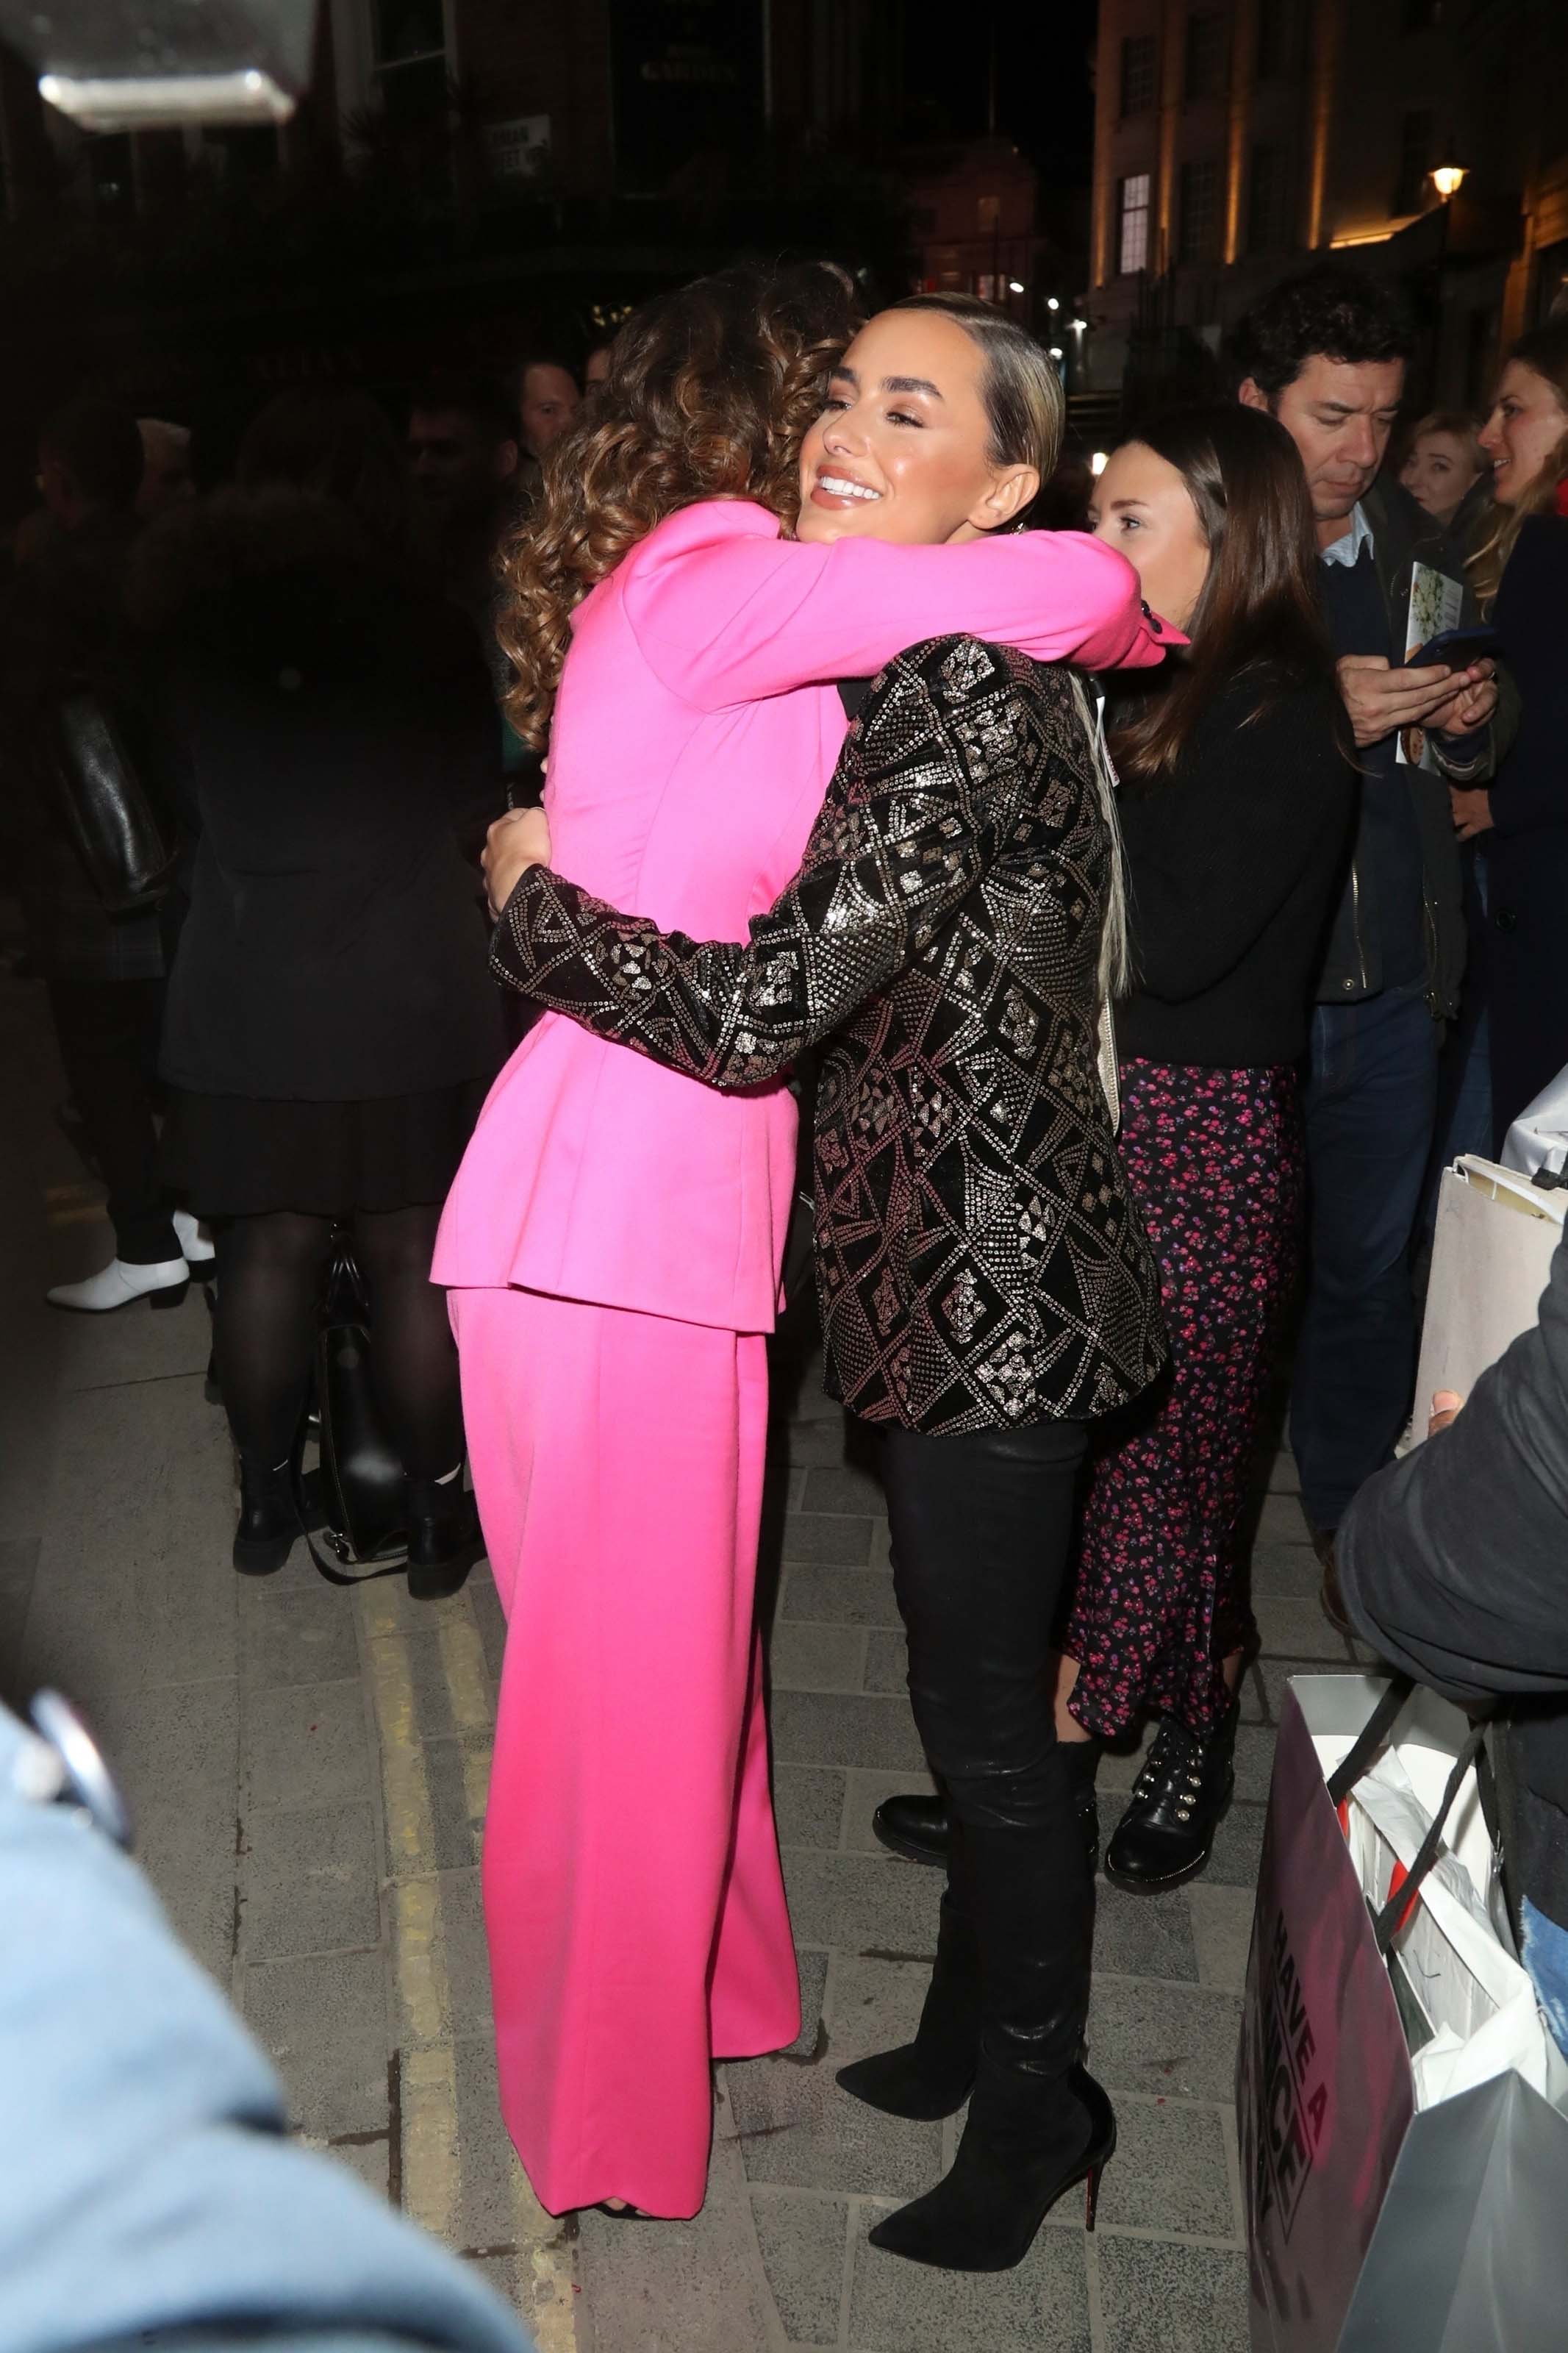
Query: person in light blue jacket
{"points": [[146, 2181]]}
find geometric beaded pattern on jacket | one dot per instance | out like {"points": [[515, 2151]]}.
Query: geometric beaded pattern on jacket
{"points": [[979, 1260]]}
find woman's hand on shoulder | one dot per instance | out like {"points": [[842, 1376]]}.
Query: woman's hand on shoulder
{"points": [[513, 844]]}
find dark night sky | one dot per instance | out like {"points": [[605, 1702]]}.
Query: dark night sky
{"points": [[1043, 49]]}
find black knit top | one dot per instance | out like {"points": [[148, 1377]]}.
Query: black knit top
{"points": [[1235, 866]]}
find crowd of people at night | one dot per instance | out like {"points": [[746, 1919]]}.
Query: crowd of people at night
{"points": [[604, 819]]}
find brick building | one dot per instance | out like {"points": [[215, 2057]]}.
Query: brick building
{"points": [[1234, 137]]}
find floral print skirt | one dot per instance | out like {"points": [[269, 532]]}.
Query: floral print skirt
{"points": [[1214, 1160]]}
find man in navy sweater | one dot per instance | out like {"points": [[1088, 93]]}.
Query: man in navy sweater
{"points": [[1326, 353]]}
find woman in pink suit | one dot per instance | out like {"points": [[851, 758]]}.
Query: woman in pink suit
{"points": [[613, 1241]]}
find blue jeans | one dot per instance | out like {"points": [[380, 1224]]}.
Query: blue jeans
{"points": [[1545, 1956], [146, 2183], [1371, 1104]]}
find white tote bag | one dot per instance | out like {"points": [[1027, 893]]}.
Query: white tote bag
{"points": [[1492, 1260]]}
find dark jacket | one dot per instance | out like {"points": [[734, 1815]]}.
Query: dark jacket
{"points": [[1234, 864], [1455, 1566], [341, 736], [1527, 851], [979, 1260], [1402, 536]]}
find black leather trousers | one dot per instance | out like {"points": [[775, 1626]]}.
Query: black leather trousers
{"points": [[981, 1526], [982, 1530]]}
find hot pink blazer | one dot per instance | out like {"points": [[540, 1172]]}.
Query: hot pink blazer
{"points": [[697, 727]]}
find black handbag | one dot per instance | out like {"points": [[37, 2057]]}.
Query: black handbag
{"points": [[360, 1489], [129, 856]]}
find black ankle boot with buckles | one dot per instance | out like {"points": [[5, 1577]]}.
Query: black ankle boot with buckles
{"points": [[1167, 1832]]}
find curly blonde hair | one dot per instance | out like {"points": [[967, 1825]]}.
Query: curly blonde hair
{"points": [[709, 395]]}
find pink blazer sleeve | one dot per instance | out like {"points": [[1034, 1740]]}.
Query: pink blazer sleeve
{"points": [[732, 613]]}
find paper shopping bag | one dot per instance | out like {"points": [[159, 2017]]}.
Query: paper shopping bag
{"points": [[1492, 1260], [1379, 1992], [1469, 2255], [1324, 2093]]}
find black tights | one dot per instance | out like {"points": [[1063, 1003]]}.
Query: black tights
{"points": [[269, 1271]]}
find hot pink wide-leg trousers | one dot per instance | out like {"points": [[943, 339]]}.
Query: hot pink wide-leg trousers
{"points": [[634, 1901]]}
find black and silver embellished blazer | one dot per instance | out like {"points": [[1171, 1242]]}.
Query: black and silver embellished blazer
{"points": [[979, 1260]]}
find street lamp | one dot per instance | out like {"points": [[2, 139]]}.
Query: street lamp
{"points": [[1098, 463], [1051, 303], [1015, 286], [1056, 353], [1448, 179]]}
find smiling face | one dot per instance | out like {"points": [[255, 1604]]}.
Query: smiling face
{"points": [[1339, 416], [1439, 473], [901, 451], [1143, 509], [1522, 433]]}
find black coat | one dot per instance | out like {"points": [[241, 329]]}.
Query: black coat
{"points": [[1234, 868], [1527, 977], [342, 752], [1454, 1564]]}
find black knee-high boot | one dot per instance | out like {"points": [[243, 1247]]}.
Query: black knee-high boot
{"points": [[932, 2077], [1037, 2122]]}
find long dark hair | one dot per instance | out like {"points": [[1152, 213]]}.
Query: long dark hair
{"points": [[1258, 610]]}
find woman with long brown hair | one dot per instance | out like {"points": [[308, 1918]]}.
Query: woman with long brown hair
{"points": [[1521, 578], [613, 1239], [1238, 799]]}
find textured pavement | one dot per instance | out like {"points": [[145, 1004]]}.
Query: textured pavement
{"points": [[309, 1770]]}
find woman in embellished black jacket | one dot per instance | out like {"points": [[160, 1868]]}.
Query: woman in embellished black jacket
{"points": [[987, 1293]]}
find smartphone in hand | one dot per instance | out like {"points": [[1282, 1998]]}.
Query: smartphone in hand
{"points": [[1457, 648]]}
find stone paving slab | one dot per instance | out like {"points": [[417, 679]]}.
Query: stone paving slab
{"points": [[324, 2019], [1159, 2299], [898, 2307]]}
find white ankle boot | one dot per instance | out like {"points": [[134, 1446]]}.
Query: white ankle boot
{"points": [[194, 1240], [119, 1284]]}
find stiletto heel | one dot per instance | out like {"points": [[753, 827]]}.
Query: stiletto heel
{"points": [[1010, 2171]]}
